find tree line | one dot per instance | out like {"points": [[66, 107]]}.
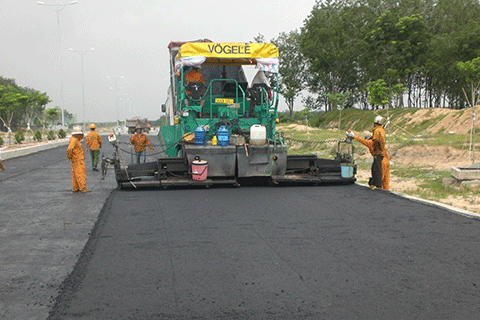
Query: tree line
{"points": [[25, 107], [373, 53]]}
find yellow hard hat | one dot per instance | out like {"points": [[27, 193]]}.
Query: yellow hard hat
{"points": [[92, 126]]}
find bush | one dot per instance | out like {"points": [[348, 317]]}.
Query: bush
{"points": [[19, 137], [51, 135], [283, 118], [1, 141], [37, 136], [62, 134]]}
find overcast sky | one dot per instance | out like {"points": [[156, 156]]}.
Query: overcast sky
{"points": [[130, 38]]}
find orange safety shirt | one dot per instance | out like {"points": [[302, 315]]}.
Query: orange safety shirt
{"points": [[75, 150], [369, 144], [193, 76], [93, 140], [140, 141], [378, 138]]}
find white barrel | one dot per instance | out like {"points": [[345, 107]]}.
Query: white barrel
{"points": [[258, 135]]}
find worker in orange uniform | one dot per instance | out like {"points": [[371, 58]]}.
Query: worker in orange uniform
{"points": [[75, 154], [140, 141], [194, 76], [381, 159], [94, 143]]}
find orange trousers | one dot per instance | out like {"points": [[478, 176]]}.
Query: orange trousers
{"points": [[386, 173], [79, 176]]}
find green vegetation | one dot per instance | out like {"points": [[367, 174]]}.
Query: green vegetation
{"points": [[61, 134], [401, 53], [431, 187], [20, 107], [19, 136], [51, 135], [37, 136]]}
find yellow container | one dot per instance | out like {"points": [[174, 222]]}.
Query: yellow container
{"points": [[214, 141]]}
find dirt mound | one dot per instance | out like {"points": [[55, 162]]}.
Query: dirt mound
{"points": [[434, 157], [457, 121]]}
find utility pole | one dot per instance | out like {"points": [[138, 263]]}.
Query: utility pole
{"points": [[57, 6], [82, 53]]}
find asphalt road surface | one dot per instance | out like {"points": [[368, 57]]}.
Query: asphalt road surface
{"points": [[342, 252], [339, 252], [44, 226]]}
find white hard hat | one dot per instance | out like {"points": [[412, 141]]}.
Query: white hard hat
{"points": [[77, 130], [378, 120]]}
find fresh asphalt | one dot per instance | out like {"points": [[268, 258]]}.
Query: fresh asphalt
{"points": [[44, 226], [337, 252]]}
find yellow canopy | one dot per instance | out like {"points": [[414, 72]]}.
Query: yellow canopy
{"points": [[227, 53]]}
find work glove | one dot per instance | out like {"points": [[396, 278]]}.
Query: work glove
{"points": [[350, 134]]}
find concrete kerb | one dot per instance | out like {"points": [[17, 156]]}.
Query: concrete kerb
{"points": [[19, 152], [465, 213]]}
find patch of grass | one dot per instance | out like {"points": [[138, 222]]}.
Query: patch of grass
{"points": [[313, 143], [418, 173], [431, 186], [460, 141]]}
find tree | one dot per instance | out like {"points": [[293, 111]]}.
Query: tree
{"points": [[329, 41], [454, 37], [292, 66], [53, 115], [471, 71], [381, 94], [418, 43], [34, 105], [10, 98], [15, 100], [398, 48]]}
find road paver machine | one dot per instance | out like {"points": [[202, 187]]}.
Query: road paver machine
{"points": [[222, 128]]}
